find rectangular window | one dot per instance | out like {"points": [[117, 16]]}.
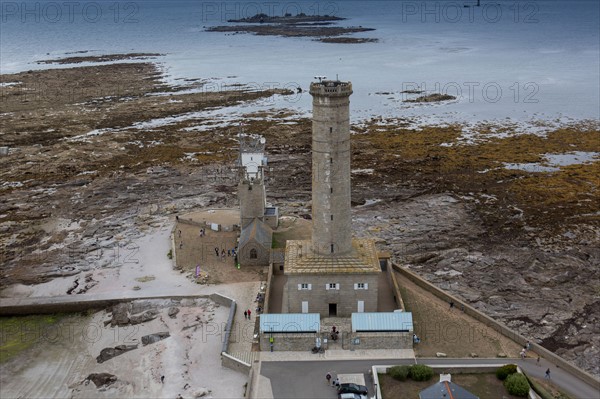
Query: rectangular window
{"points": [[330, 130], [304, 286], [361, 286], [331, 190], [331, 217], [332, 286], [330, 160]]}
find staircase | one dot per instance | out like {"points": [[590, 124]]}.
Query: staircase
{"points": [[246, 357], [342, 324]]}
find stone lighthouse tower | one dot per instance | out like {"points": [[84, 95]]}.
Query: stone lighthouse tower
{"points": [[332, 274], [332, 227]]}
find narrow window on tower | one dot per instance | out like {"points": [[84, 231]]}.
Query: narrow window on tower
{"points": [[331, 217], [331, 190], [330, 130], [330, 160], [331, 248]]}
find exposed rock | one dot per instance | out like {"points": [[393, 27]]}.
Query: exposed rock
{"points": [[143, 317], [109, 353], [152, 338], [202, 392], [172, 312], [441, 354], [120, 314], [502, 355], [101, 379]]}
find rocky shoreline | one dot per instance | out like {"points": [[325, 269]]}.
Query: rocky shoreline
{"points": [[91, 170]]}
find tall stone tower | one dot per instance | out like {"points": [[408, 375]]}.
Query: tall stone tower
{"points": [[251, 186], [332, 221], [331, 274]]}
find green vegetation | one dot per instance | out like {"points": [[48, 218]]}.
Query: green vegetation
{"points": [[516, 384], [20, 333], [545, 389], [399, 373], [145, 279], [420, 372], [503, 372]]}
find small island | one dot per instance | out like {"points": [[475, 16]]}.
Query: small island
{"points": [[431, 98], [300, 25]]}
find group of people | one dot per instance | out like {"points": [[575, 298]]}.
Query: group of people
{"points": [[416, 339], [526, 349], [334, 383], [247, 314], [223, 253]]}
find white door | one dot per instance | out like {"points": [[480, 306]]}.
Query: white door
{"points": [[304, 306], [361, 306]]}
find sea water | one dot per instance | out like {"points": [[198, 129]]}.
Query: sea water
{"points": [[505, 60]]}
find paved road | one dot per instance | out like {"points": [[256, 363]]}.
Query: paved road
{"points": [[306, 379]]}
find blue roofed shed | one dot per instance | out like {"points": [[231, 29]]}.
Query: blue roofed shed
{"points": [[290, 323], [382, 322]]}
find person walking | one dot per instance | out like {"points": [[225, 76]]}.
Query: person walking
{"points": [[547, 376], [523, 353], [217, 251], [245, 314], [538, 361], [249, 312], [328, 378]]}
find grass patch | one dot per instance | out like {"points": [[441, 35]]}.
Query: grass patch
{"points": [[18, 334], [145, 279], [546, 389]]}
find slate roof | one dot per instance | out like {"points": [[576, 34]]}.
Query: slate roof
{"points": [[256, 231], [446, 390]]}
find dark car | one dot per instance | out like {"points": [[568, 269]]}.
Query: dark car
{"points": [[353, 388]]}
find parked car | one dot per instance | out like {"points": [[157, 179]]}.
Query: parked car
{"points": [[353, 388], [351, 396]]}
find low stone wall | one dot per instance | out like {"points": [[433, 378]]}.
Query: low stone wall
{"points": [[378, 340], [268, 289], [226, 301], [192, 223], [288, 341], [253, 377], [70, 304], [395, 286], [499, 327], [235, 364]]}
